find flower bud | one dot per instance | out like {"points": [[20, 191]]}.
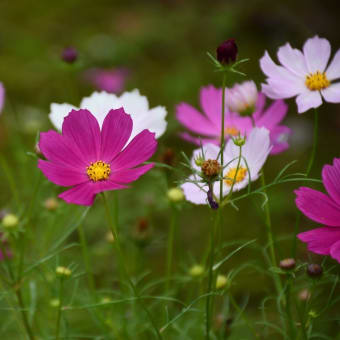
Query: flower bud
{"points": [[221, 281], [287, 264], [304, 295], [227, 51], [314, 270], [37, 150], [10, 221], [213, 204], [109, 237], [55, 303], [175, 195], [69, 55], [63, 271], [239, 141], [211, 168], [196, 270], [199, 160], [51, 204], [242, 98]]}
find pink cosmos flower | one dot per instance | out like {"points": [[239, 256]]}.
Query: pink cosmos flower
{"points": [[303, 74], [2, 96], [109, 80], [92, 160], [208, 125], [324, 209]]}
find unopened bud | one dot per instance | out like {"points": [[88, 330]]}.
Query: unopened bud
{"points": [[10, 221], [69, 55], [239, 141], [314, 270], [211, 168], [196, 270], [51, 204], [304, 295], [199, 160], [175, 195], [227, 51], [287, 264], [221, 281], [37, 150], [63, 271]]}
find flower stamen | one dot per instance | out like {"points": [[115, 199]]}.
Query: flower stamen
{"points": [[98, 171], [235, 175], [232, 131], [317, 81]]}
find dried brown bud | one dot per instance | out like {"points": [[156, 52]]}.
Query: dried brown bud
{"points": [[287, 264], [314, 270], [211, 168]]}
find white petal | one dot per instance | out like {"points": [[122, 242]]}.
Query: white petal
{"points": [[99, 104], [317, 51], [308, 100], [333, 70], [193, 193], [293, 60], [332, 93], [58, 112], [134, 103]]}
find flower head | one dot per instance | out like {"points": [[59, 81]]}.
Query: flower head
{"points": [[227, 51], [254, 153], [303, 74], [69, 55], [109, 80], [100, 103], [324, 209], [208, 126], [92, 160], [242, 98]]}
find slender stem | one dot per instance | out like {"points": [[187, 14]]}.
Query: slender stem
{"points": [[116, 243], [170, 248], [308, 170], [11, 180], [208, 309], [222, 142], [290, 320], [61, 292]]}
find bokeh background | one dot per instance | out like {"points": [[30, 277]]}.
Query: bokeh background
{"points": [[163, 46]]}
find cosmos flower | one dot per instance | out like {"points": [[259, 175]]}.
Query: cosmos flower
{"points": [[2, 96], [91, 159], [325, 209], [303, 74], [208, 125], [109, 80], [254, 154], [100, 103]]}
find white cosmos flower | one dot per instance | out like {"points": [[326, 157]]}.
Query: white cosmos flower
{"points": [[100, 103], [254, 154]]}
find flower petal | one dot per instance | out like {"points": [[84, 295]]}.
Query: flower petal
{"points": [[83, 129], [130, 175], [332, 93], [278, 138], [211, 100], [259, 106], [318, 206], [335, 251], [198, 140], [273, 115], [116, 131], [140, 149], [193, 192], [292, 59], [58, 113], [107, 185], [194, 121], [308, 100], [61, 174], [320, 240], [81, 194], [317, 51], [2, 96], [331, 180], [333, 70]]}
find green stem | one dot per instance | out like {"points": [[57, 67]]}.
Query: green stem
{"points": [[11, 180], [222, 142], [309, 168], [116, 243], [209, 299], [170, 248], [290, 320], [61, 291]]}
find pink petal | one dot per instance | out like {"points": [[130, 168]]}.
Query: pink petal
{"points": [[273, 115], [308, 100], [81, 194], [2, 96], [331, 180], [318, 206], [333, 70], [194, 121], [211, 103], [293, 60], [130, 175], [335, 251], [107, 185], [332, 93], [197, 140], [61, 174], [243, 124], [317, 51], [278, 138], [83, 129], [116, 131], [60, 149], [139, 150], [320, 240], [259, 106]]}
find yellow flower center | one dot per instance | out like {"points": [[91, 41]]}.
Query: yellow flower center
{"points": [[317, 81], [231, 131], [234, 174], [98, 171]]}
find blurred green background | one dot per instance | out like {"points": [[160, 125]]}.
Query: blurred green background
{"points": [[163, 44]]}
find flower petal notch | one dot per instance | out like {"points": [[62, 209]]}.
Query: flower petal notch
{"points": [[91, 159]]}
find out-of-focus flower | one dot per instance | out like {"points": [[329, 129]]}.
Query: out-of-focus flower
{"points": [[63, 271], [175, 194], [208, 126], [196, 270], [69, 55], [55, 303], [254, 153], [227, 51], [304, 295], [100, 103], [241, 98], [93, 160], [303, 74], [2, 96], [221, 281], [51, 204], [109, 80], [10, 221], [287, 264], [324, 209]]}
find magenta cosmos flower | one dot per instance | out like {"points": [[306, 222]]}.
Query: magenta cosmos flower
{"points": [[92, 160], [208, 125], [303, 74], [324, 209], [2, 96]]}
